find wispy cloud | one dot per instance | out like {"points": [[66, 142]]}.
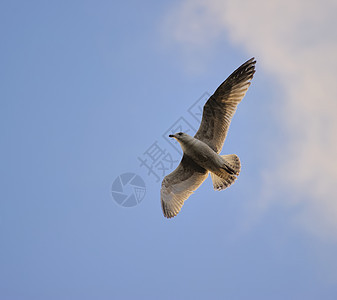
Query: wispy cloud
{"points": [[296, 41]]}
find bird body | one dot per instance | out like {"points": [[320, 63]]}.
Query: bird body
{"points": [[202, 152]]}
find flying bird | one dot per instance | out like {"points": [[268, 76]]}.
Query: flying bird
{"points": [[201, 152]]}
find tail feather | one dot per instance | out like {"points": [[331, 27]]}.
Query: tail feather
{"points": [[226, 176], [233, 161]]}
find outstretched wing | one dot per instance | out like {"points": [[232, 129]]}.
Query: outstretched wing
{"points": [[221, 106], [179, 185]]}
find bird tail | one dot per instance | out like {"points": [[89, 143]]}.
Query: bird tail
{"points": [[226, 174]]}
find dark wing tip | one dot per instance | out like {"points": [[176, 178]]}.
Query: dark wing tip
{"points": [[251, 61], [242, 74], [248, 66], [245, 72]]}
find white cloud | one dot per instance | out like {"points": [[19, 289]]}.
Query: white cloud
{"points": [[296, 41]]}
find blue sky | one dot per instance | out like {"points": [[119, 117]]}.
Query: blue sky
{"points": [[87, 87]]}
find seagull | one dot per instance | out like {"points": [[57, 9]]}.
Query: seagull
{"points": [[201, 153]]}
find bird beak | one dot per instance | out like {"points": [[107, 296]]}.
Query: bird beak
{"points": [[171, 135]]}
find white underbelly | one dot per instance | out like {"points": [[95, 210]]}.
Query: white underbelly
{"points": [[204, 156]]}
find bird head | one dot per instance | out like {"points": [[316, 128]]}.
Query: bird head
{"points": [[180, 137]]}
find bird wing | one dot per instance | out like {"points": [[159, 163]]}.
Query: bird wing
{"points": [[221, 106], [180, 184]]}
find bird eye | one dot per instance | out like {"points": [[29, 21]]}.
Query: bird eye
{"points": [[180, 133]]}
